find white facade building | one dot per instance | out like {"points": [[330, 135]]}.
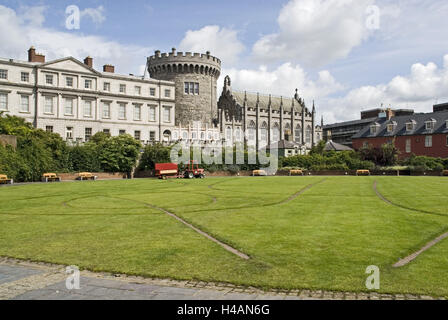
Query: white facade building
{"points": [[72, 99]]}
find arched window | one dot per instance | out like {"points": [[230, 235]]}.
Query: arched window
{"points": [[298, 134], [275, 133], [185, 135], [308, 134], [229, 134], [175, 135], [238, 134], [167, 136], [251, 132], [264, 133]]}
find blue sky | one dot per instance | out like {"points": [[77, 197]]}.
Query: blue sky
{"points": [[322, 47]]}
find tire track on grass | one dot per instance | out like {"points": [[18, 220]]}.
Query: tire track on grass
{"points": [[429, 245]]}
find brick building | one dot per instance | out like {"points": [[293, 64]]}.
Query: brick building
{"points": [[424, 134]]}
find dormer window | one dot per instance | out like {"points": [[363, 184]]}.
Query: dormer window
{"points": [[410, 126], [374, 128], [430, 124], [391, 127]]}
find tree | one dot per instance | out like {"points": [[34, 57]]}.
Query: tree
{"points": [[119, 154], [153, 154]]}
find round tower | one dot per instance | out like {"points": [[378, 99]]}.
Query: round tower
{"points": [[195, 76]]}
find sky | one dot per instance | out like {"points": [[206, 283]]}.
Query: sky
{"points": [[346, 55]]}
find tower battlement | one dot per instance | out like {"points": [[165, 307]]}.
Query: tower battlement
{"points": [[184, 62], [195, 76]]}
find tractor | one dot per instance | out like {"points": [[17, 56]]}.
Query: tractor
{"points": [[192, 171]]}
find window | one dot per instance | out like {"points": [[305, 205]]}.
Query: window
{"points": [[106, 110], [48, 105], [69, 81], [88, 84], [25, 77], [308, 134], [49, 79], [3, 101], [298, 134], [430, 125], [106, 86], [69, 133], [137, 113], [88, 134], [152, 136], [122, 111], [122, 88], [137, 135], [410, 126], [408, 145], [122, 132], [87, 108], [167, 93], [152, 113], [106, 131], [191, 88], [391, 127], [49, 129], [373, 129], [365, 145], [229, 134], [196, 88], [68, 106], [167, 114], [3, 74], [275, 134], [447, 140], [152, 92], [251, 132], [428, 141], [24, 103], [138, 91]]}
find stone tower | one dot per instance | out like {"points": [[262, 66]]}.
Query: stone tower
{"points": [[195, 76]]}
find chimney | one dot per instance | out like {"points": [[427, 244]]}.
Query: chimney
{"points": [[89, 61], [109, 68], [35, 57]]}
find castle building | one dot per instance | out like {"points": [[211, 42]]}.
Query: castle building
{"points": [[195, 76], [178, 103], [71, 98], [265, 119]]}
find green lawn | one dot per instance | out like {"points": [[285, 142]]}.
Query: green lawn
{"points": [[323, 239]]}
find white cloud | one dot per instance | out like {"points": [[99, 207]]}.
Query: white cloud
{"points": [[221, 42], [419, 90], [32, 15], [283, 81], [19, 32], [95, 14], [315, 32]]}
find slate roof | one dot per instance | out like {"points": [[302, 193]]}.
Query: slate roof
{"points": [[420, 119], [333, 146], [350, 123], [276, 102]]}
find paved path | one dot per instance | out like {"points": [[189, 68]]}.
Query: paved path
{"points": [[21, 280]]}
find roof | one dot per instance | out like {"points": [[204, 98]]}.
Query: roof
{"points": [[333, 146], [263, 101], [420, 119], [283, 144], [350, 123]]}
